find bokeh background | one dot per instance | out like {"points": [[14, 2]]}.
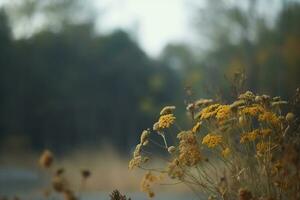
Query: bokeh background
{"points": [[84, 78]]}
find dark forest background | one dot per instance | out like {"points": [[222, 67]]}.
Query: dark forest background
{"points": [[71, 87]]}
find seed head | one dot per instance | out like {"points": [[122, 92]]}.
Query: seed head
{"points": [[46, 159], [289, 117], [85, 173], [171, 149]]}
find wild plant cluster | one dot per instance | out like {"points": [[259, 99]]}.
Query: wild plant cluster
{"points": [[248, 149], [58, 183]]}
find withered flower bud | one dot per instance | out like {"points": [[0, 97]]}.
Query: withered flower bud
{"points": [[46, 159]]}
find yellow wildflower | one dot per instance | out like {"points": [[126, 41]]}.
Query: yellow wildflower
{"points": [[253, 110], [226, 152], [209, 111], [212, 140], [269, 117], [165, 121], [223, 112], [196, 128]]}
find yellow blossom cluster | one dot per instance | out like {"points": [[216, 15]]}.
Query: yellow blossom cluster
{"points": [[223, 112], [252, 110], [269, 117], [212, 140], [209, 111], [239, 141], [165, 121]]}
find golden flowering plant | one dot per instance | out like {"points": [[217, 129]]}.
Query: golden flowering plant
{"points": [[248, 149]]}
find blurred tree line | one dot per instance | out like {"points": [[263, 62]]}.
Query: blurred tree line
{"points": [[63, 85], [74, 87], [238, 38]]}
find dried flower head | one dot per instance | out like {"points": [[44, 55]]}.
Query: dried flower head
{"points": [[46, 159], [248, 96], [203, 102], [59, 171], [290, 117], [171, 149], [197, 127], [242, 120], [46, 192], [85, 173], [278, 103], [226, 152], [135, 162], [262, 147], [144, 136], [59, 184], [245, 194], [174, 170], [189, 153], [116, 195], [137, 150], [69, 195], [167, 110], [236, 104], [148, 180]]}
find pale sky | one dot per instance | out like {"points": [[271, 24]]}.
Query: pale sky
{"points": [[154, 23]]}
